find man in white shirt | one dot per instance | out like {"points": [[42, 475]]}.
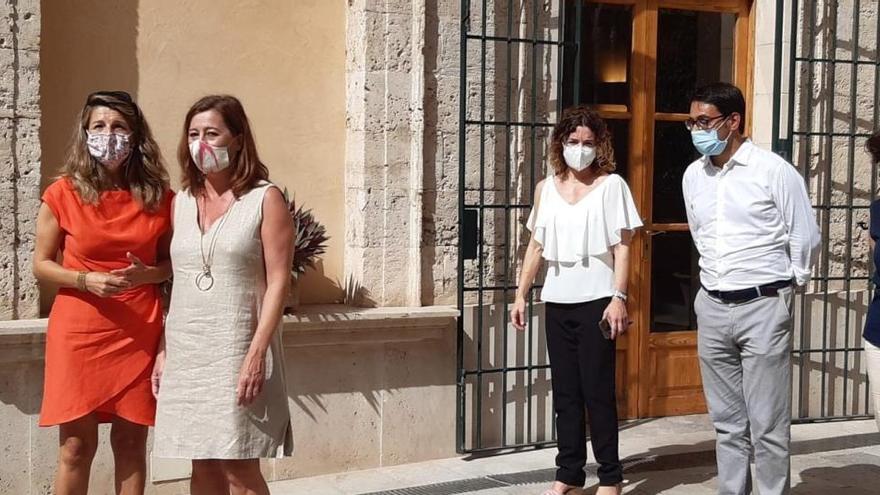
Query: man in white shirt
{"points": [[752, 222]]}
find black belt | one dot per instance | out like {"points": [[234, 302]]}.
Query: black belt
{"points": [[745, 295]]}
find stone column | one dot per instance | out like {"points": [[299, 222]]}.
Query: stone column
{"points": [[19, 155], [384, 138]]}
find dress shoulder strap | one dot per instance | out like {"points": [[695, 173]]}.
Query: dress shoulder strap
{"points": [[253, 199], [184, 204]]}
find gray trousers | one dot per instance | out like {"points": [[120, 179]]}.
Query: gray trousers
{"points": [[745, 361]]}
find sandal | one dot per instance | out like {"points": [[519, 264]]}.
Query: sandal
{"points": [[571, 491], [618, 487]]}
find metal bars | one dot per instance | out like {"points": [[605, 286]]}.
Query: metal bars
{"points": [[821, 130], [508, 92]]}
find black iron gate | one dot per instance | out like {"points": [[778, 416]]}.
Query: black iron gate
{"points": [[510, 64], [512, 58], [826, 85]]}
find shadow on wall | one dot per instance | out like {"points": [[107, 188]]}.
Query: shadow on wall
{"points": [[835, 382], [21, 386], [317, 284], [319, 377], [513, 406], [430, 104], [86, 45]]}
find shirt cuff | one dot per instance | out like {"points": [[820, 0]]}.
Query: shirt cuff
{"points": [[801, 277]]}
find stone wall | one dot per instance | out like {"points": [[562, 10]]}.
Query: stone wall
{"points": [[366, 389], [513, 83], [290, 81], [834, 111], [19, 155], [384, 138], [402, 153], [836, 96]]}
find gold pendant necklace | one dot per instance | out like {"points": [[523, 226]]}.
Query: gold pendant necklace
{"points": [[205, 279]]}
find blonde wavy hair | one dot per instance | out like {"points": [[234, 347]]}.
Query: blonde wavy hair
{"points": [[572, 118], [144, 171]]}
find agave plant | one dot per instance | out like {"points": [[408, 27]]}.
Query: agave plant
{"points": [[310, 238]]}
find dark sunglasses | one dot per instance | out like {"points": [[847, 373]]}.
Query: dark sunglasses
{"points": [[104, 95]]}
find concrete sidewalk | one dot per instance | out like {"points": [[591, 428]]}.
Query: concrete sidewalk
{"points": [[661, 456]]}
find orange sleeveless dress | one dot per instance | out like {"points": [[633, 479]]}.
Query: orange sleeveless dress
{"points": [[100, 351]]}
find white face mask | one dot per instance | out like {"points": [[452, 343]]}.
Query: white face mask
{"points": [[578, 156], [209, 158], [111, 150]]}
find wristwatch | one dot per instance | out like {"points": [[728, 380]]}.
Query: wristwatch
{"points": [[619, 294]]}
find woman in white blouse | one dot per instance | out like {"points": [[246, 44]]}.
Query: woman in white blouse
{"points": [[581, 224]]}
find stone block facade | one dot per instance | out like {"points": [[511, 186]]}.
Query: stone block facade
{"points": [[402, 136], [19, 155], [398, 161], [402, 180], [367, 388], [384, 137], [835, 103]]}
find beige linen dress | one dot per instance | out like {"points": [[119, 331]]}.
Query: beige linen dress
{"points": [[207, 335]]}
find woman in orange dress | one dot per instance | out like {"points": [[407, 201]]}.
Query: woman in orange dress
{"points": [[109, 214]]}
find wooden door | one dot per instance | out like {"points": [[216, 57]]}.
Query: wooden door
{"points": [[641, 85], [688, 43]]}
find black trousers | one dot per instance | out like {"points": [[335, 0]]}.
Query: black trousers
{"points": [[582, 363]]}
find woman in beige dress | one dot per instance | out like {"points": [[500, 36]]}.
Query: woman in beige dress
{"points": [[222, 400]]}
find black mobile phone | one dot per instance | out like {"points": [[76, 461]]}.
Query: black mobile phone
{"points": [[605, 328]]}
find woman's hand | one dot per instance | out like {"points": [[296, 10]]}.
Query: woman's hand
{"points": [[518, 314], [251, 377], [156, 376], [617, 317], [106, 284], [136, 274]]}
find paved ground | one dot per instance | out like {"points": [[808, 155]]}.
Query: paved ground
{"points": [[663, 456]]}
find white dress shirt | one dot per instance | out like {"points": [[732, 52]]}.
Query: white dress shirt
{"points": [[751, 220]]}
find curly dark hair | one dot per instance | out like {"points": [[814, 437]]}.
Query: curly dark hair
{"points": [[572, 118]]}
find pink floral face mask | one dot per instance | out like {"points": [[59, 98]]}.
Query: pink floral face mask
{"points": [[111, 150], [209, 158]]}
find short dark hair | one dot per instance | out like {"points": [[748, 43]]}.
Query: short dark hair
{"points": [[873, 146], [726, 97]]}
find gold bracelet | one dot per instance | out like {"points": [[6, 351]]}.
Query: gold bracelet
{"points": [[81, 281]]}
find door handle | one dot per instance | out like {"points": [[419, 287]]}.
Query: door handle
{"points": [[646, 241]]}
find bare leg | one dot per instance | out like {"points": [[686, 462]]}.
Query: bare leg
{"points": [[208, 478], [245, 478], [129, 443], [77, 441]]}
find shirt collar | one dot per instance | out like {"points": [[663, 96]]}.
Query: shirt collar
{"points": [[743, 156]]}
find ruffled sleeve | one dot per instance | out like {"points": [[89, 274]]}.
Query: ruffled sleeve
{"points": [[542, 223], [573, 233], [619, 212]]}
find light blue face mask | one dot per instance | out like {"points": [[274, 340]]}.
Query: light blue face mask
{"points": [[707, 142]]}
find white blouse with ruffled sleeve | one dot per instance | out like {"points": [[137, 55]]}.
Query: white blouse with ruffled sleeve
{"points": [[577, 239]]}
